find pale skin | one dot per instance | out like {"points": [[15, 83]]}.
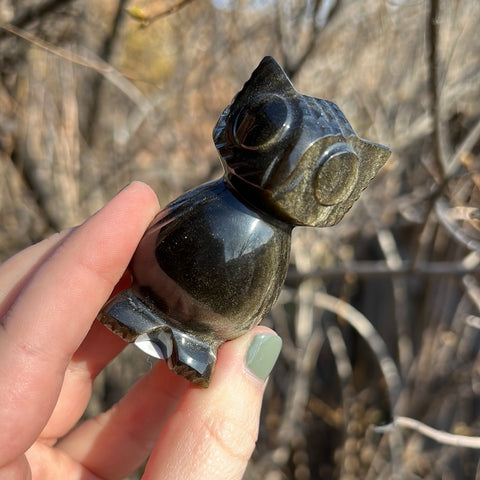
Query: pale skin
{"points": [[52, 348]]}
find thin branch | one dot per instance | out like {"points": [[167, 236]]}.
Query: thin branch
{"points": [[388, 245], [340, 352], [297, 396], [96, 88], [473, 290], [28, 178], [309, 340], [366, 330], [34, 13], [366, 269], [465, 147], [386, 363], [433, 72], [473, 321], [445, 438], [442, 209], [316, 28], [94, 63], [279, 34], [293, 66]]}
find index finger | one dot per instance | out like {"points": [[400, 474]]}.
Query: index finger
{"points": [[50, 317]]}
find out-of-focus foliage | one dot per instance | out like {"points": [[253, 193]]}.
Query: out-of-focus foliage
{"points": [[92, 96]]}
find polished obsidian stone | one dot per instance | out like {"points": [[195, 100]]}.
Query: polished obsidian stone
{"points": [[213, 262]]}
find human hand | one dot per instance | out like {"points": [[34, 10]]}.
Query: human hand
{"points": [[51, 350]]}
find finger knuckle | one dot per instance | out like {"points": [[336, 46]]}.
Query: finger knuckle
{"points": [[234, 437]]}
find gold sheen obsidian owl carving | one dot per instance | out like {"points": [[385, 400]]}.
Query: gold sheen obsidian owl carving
{"points": [[213, 262]]}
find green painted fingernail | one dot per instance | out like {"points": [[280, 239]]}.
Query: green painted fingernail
{"points": [[262, 354]]}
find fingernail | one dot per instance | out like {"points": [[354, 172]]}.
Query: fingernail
{"points": [[262, 354]]}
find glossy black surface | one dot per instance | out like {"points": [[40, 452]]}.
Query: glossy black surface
{"points": [[213, 262]]}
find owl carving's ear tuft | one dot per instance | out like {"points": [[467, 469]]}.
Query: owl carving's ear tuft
{"points": [[267, 77], [373, 157]]}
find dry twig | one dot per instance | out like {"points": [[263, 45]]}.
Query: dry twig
{"points": [[445, 438]]}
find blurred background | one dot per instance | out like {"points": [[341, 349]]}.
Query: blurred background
{"points": [[380, 315]]}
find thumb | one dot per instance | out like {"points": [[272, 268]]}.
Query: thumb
{"points": [[213, 432]]}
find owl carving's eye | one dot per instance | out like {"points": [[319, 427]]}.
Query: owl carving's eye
{"points": [[337, 175], [261, 122]]}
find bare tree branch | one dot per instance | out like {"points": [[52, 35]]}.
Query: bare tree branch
{"points": [[373, 269], [386, 363], [105, 54], [443, 210], [473, 290], [465, 147], [309, 339], [95, 63], [366, 330], [293, 65], [433, 72], [34, 13], [439, 436]]}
